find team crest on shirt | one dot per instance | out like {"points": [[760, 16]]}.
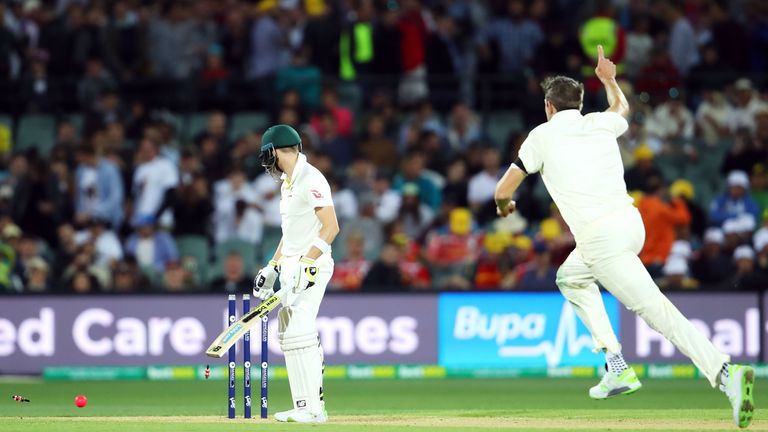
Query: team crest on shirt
{"points": [[316, 194]]}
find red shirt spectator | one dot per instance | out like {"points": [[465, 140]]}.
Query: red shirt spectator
{"points": [[413, 31]]}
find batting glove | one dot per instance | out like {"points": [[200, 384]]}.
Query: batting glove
{"points": [[307, 275], [264, 282]]}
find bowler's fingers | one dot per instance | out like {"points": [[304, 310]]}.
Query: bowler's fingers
{"points": [[600, 55]]}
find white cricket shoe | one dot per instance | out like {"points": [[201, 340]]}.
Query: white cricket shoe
{"points": [[739, 388], [301, 416], [613, 384]]}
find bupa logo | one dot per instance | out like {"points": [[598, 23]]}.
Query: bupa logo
{"points": [[515, 329]]}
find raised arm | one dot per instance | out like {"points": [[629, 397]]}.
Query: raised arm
{"points": [[506, 188], [606, 72]]}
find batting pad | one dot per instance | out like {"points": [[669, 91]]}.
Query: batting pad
{"points": [[303, 358]]}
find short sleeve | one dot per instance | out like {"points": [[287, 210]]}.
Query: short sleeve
{"points": [[530, 155], [319, 192], [615, 122]]}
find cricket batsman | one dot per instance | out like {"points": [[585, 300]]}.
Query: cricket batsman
{"points": [[304, 265], [578, 158]]}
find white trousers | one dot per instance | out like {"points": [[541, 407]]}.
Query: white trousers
{"points": [[607, 252], [297, 333]]}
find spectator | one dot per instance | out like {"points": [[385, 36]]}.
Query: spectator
{"points": [[711, 265], [106, 245], [350, 272], [82, 282], [172, 38], [675, 275], [413, 35], [302, 77], [516, 36], [194, 205], [37, 276], [376, 146], [463, 128], [482, 186], [452, 250], [175, 277], [234, 280], [329, 104], [682, 38], [153, 249], [683, 189], [445, 61], [456, 188], [387, 41], [366, 222], [744, 152], [726, 33], [332, 142], [760, 242], [413, 171], [214, 78], [37, 88], [267, 192], [99, 188], [712, 117], [128, 278], [747, 103], [344, 200], [9, 280], [644, 169], [94, 82], [387, 200], [154, 182], [234, 215], [216, 128], [759, 187], [385, 272], [662, 216], [711, 73], [125, 43], [735, 202], [747, 278], [424, 119], [414, 215], [639, 45], [492, 264], [672, 122], [539, 274]]}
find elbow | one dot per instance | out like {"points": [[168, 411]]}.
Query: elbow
{"points": [[624, 109]]}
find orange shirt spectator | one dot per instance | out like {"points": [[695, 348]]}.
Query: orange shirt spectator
{"points": [[661, 217]]}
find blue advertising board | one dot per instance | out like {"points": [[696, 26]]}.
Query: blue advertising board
{"points": [[515, 330]]}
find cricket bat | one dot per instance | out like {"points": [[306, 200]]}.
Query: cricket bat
{"points": [[234, 332]]}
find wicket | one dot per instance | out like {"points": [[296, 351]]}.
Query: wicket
{"points": [[232, 359]]}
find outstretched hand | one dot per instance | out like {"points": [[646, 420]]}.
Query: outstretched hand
{"points": [[605, 69]]}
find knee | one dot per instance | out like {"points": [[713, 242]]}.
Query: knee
{"points": [[296, 329]]}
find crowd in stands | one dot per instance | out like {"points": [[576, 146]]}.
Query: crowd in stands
{"points": [[394, 101]]}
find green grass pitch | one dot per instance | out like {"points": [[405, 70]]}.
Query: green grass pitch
{"points": [[528, 404]]}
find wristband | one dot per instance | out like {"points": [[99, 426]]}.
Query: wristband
{"points": [[321, 245], [307, 260], [272, 263]]}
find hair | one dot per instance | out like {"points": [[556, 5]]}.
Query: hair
{"points": [[563, 92]]}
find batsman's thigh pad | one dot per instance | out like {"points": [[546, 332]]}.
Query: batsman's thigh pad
{"points": [[296, 328]]}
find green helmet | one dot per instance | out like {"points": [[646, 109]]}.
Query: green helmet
{"points": [[278, 136]]}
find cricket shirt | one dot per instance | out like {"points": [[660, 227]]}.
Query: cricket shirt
{"points": [[305, 191]]}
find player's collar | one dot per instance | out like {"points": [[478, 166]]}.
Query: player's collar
{"points": [[301, 160], [569, 113]]}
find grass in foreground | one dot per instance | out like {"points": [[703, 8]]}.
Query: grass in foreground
{"points": [[419, 405]]}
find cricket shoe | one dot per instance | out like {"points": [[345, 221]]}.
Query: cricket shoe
{"points": [[739, 387], [301, 416], [613, 384]]}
